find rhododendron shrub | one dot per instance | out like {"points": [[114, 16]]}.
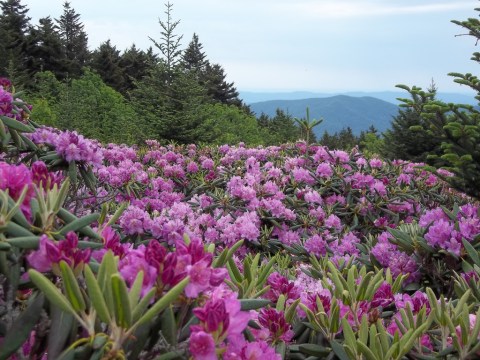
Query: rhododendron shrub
{"points": [[229, 252]]}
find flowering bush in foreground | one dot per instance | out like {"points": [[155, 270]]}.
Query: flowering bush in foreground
{"points": [[165, 252]]}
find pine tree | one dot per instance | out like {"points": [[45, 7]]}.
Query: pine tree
{"points": [[169, 44], [456, 126], [193, 58], [75, 41], [106, 63], [14, 25], [135, 65], [218, 88], [211, 76], [47, 49]]}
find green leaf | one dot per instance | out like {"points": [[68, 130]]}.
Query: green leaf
{"points": [[314, 350], [253, 304], [96, 296], [72, 290], [52, 293], [68, 217], [472, 253], [143, 304], [79, 223], [349, 335], [339, 350], [136, 289], [72, 172], [233, 270], [16, 230], [59, 332], [25, 242], [123, 313], [169, 326], [16, 125], [366, 351], [165, 301], [21, 328]]}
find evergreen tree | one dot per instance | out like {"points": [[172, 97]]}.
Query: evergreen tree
{"points": [[218, 88], [193, 58], [345, 139], [456, 126], [106, 62], [170, 105], [408, 137], [47, 49], [210, 76], [74, 39], [135, 64], [280, 129], [169, 44], [14, 25]]}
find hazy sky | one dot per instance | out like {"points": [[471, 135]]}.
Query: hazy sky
{"points": [[284, 45]]}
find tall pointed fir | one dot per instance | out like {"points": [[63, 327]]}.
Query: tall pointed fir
{"points": [[135, 65], [193, 57], [169, 44], [14, 25], [47, 48], [74, 39], [211, 76], [106, 63]]}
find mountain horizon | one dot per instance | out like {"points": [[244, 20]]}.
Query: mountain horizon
{"points": [[392, 96], [338, 112]]}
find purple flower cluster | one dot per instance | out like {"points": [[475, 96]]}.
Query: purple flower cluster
{"points": [[446, 233]]}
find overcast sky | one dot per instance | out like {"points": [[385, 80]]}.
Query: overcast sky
{"points": [[289, 45]]}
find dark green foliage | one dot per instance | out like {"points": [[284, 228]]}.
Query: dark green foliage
{"points": [[169, 103], [344, 139], [47, 50], [455, 126], [135, 64], [97, 111], [232, 125], [211, 76], [371, 143], [169, 44], [280, 128], [193, 58], [74, 39], [106, 63], [14, 25], [408, 138]]}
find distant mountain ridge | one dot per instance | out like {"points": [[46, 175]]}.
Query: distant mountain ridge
{"points": [[250, 97], [338, 112]]}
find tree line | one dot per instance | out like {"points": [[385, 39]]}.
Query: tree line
{"points": [[166, 92]]}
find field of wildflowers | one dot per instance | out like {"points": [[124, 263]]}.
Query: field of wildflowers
{"points": [[176, 252]]}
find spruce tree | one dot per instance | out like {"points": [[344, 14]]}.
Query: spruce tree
{"points": [[194, 58], [169, 44], [457, 126], [47, 49], [14, 25], [106, 63], [218, 88], [74, 39], [135, 65]]}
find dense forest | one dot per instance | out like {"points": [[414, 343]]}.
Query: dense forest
{"points": [[176, 94]]}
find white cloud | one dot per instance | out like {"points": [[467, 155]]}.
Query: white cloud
{"points": [[354, 9]]}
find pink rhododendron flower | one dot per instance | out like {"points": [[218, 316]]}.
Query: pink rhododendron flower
{"points": [[202, 346], [51, 252]]}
